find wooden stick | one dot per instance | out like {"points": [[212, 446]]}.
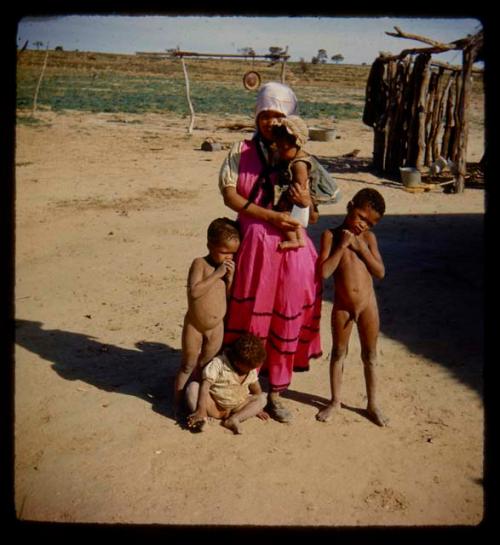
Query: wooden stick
{"points": [[283, 63], [400, 34], [191, 109], [35, 97], [463, 108], [421, 109]]}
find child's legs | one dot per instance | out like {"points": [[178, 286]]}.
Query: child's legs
{"points": [[192, 341], [252, 407], [368, 329], [192, 393], [341, 322], [212, 343]]}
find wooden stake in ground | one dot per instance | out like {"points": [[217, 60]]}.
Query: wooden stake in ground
{"points": [[35, 97], [191, 109]]}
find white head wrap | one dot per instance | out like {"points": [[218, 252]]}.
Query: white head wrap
{"points": [[277, 97]]}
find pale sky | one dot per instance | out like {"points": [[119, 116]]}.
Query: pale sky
{"points": [[357, 39]]}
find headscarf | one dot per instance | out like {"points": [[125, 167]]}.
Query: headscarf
{"points": [[277, 97]]}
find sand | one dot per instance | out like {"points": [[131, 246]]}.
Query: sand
{"points": [[110, 211]]}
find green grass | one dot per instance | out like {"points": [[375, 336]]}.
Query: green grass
{"points": [[125, 93]]}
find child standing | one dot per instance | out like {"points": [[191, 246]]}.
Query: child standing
{"points": [[351, 254], [230, 388], [290, 134], [209, 281]]}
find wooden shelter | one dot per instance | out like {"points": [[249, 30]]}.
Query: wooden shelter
{"points": [[418, 107]]}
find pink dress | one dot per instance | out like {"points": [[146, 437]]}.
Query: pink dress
{"points": [[276, 294]]}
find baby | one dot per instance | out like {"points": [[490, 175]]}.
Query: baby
{"points": [[290, 134], [209, 281]]}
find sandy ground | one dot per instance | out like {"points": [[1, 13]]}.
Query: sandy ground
{"points": [[110, 211]]}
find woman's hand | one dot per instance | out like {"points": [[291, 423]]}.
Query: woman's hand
{"points": [[283, 221], [300, 195]]}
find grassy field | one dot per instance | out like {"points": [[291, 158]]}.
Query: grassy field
{"points": [[129, 83], [100, 82]]}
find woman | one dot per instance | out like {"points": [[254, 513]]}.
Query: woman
{"points": [[276, 294]]}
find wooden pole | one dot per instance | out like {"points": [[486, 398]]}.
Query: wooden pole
{"points": [[191, 109], [422, 114], [430, 115], [283, 63], [449, 118], [463, 107], [35, 97]]}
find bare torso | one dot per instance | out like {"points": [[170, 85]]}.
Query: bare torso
{"points": [[353, 282], [208, 310]]}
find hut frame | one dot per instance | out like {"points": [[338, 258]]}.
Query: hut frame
{"points": [[418, 107]]}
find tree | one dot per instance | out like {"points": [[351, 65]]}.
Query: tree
{"points": [[38, 44], [337, 58], [250, 51], [322, 56], [275, 52]]}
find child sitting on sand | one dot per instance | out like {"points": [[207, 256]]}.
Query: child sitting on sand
{"points": [[209, 281], [230, 388], [351, 254], [290, 134]]}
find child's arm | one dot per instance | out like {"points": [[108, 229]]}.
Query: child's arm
{"points": [[230, 266], [197, 285], [367, 250], [327, 262], [299, 190], [313, 213], [255, 389]]}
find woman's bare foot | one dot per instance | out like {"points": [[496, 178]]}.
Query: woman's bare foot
{"points": [[328, 412], [376, 416], [233, 424]]}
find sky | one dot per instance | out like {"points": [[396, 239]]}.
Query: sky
{"points": [[358, 39]]}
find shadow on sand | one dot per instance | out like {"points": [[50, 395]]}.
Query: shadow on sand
{"points": [[147, 372], [431, 299]]}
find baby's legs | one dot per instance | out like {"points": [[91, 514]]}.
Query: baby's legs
{"points": [[342, 323], [255, 404], [368, 328], [293, 239]]}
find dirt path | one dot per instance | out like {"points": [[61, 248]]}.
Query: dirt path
{"points": [[110, 211]]}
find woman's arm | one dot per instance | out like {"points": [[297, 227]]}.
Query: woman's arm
{"points": [[239, 204]]}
